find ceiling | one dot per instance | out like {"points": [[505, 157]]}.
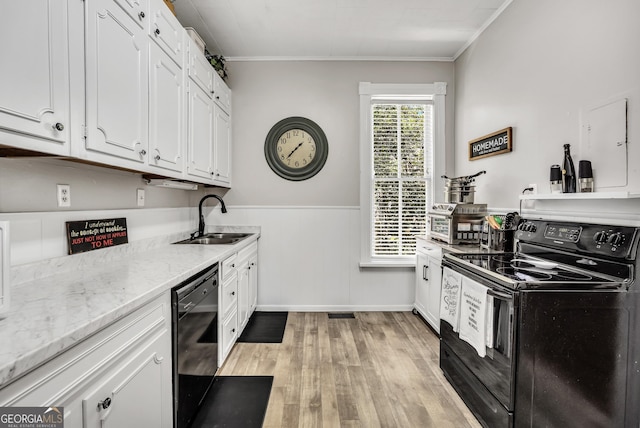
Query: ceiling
{"points": [[338, 29]]}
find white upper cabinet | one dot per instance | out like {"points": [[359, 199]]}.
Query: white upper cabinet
{"points": [[167, 112], [200, 70], [166, 31], [117, 61], [34, 100], [221, 93], [113, 82], [200, 139], [222, 146]]}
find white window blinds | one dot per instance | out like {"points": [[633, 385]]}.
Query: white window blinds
{"points": [[402, 144]]}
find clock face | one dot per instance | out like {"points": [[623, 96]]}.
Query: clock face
{"points": [[296, 148]]}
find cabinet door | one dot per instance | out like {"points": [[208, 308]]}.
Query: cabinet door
{"points": [[200, 130], [117, 61], [167, 114], [221, 93], [135, 394], [243, 294], [166, 31], [222, 146], [34, 105], [433, 299], [200, 70], [253, 283], [422, 283]]}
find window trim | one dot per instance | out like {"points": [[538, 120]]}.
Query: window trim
{"points": [[367, 90]]}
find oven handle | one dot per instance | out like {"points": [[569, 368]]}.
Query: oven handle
{"points": [[499, 295]]}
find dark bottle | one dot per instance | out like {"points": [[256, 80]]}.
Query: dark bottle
{"points": [[568, 172]]}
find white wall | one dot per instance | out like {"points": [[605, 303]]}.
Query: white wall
{"points": [[325, 92], [536, 68], [309, 249]]}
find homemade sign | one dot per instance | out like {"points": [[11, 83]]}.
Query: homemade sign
{"points": [[90, 235], [492, 144]]}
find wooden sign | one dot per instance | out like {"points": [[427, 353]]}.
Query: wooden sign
{"points": [[90, 235], [493, 144]]}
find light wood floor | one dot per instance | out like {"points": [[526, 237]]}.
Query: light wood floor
{"points": [[380, 369]]}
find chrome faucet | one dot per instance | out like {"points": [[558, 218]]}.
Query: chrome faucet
{"points": [[223, 208]]}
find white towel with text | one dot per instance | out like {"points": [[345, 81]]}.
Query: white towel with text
{"points": [[450, 298], [473, 315]]}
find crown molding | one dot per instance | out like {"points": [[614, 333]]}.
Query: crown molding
{"points": [[486, 25], [338, 58]]}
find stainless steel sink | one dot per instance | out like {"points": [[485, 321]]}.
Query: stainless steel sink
{"points": [[216, 238]]}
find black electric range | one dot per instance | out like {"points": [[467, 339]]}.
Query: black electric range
{"points": [[565, 328]]}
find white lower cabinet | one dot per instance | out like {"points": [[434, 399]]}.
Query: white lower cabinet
{"points": [[428, 283], [238, 296], [119, 377]]}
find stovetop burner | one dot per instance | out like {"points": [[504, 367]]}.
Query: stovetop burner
{"points": [[523, 269]]}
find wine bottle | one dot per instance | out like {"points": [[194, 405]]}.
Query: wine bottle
{"points": [[568, 172]]}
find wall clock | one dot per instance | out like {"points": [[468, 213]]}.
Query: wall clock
{"points": [[296, 148]]}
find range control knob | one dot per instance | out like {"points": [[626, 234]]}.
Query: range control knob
{"points": [[532, 228], [600, 237], [615, 239]]}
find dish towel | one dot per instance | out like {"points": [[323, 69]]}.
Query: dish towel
{"points": [[489, 322], [450, 298], [473, 315]]}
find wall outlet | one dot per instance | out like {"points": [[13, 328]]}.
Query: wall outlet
{"points": [[64, 195], [534, 189], [140, 197]]}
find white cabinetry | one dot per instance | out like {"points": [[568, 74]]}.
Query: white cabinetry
{"points": [[121, 376], [209, 129], [238, 296], [167, 91], [228, 332], [247, 283], [117, 51], [35, 100], [222, 146], [428, 282], [113, 82]]}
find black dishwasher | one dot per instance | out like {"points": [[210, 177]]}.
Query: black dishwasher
{"points": [[195, 342]]}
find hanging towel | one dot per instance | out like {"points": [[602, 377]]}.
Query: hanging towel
{"points": [[473, 315], [450, 298], [489, 322]]}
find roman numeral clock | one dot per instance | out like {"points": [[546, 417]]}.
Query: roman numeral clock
{"points": [[296, 148]]}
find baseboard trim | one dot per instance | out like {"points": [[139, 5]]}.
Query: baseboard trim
{"points": [[335, 308]]}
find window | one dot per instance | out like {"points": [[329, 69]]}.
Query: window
{"points": [[398, 145]]}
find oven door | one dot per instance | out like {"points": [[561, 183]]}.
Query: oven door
{"points": [[440, 227], [486, 383]]}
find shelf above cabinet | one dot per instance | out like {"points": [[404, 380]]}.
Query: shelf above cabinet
{"points": [[580, 196]]}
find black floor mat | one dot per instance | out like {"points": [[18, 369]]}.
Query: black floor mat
{"points": [[235, 402], [265, 327]]}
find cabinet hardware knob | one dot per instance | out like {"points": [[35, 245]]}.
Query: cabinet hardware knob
{"points": [[58, 126], [233, 293], [141, 15], [157, 31], [157, 157], [143, 152], [233, 265], [233, 330], [105, 403], [158, 359], [217, 174], [217, 97]]}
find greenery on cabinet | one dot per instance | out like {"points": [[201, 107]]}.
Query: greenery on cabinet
{"points": [[218, 62]]}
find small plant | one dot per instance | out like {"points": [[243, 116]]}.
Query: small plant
{"points": [[218, 63]]}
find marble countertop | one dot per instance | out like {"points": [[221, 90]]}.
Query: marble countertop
{"points": [[58, 303]]}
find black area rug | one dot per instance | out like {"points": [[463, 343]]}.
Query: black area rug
{"points": [[265, 327], [235, 402]]}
